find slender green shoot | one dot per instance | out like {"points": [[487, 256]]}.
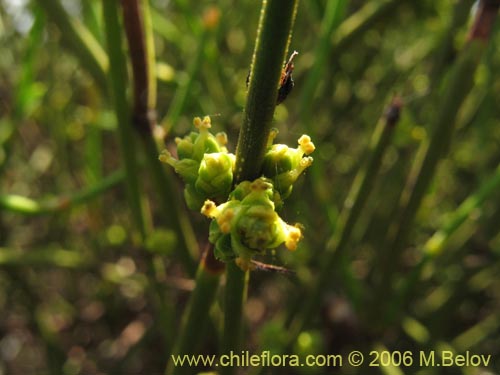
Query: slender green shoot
{"points": [[273, 38], [117, 75], [354, 203], [79, 40], [27, 206]]}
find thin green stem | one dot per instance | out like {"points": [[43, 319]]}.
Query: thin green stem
{"points": [[182, 93], [273, 37], [356, 199], [271, 45], [457, 87], [43, 258], [117, 75], [334, 13], [234, 300], [79, 40], [138, 30], [176, 218], [27, 206], [436, 245], [197, 312]]}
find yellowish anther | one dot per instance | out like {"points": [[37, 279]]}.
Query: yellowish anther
{"points": [[294, 235], [209, 208], [197, 122], [224, 220], [221, 138], [177, 140], [272, 135], [306, 145], [207, 123]]}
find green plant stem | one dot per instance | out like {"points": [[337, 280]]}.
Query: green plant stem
{"points": [[457, 87], [176, 218], [137, 24], [27, 206], [270, 50], [334, 257], [182, 93], [117, 75], [79, 40], [334, 13], [196, 314], [436, 245], [273, 38], [43, 258], [234, 300], [335, 38]]}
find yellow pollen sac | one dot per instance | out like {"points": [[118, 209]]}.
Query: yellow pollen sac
{"points": [[294, 235], [221, 138], [209, 208], [207, 123], [306, 144], [224, 220]]}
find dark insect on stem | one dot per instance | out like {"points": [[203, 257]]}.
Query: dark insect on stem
{"points": [[286, 80], [393, 111]]}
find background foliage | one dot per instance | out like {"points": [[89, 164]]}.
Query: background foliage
{"points": [[81, 293]]}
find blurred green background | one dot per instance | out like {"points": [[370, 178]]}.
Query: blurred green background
{"points": [[81, 294]]}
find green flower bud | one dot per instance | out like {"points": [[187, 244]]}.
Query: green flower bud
{"points": [[215, 175], [252, 224], [204, 164], [284, 165]]}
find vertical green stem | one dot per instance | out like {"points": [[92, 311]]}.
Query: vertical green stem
{"points": [[234, 300], [271, 45], [197, 312], [351, 212], [334, 13], [457, 88], [81, 41], [273, 38], [139, 35], [117, 75]]}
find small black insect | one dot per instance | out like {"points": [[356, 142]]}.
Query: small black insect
{"points": [[286, 80]]}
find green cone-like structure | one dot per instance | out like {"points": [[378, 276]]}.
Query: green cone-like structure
{"points": [[247, 224]]}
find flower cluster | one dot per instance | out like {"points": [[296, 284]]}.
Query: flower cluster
{"points": [[247, 223], [204, 164]]}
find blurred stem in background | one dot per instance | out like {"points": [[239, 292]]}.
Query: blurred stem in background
{"points": [[79, 40], [197, 312], [457, 87], [196, 315], [93, 59], [334, 13], [118, 80], [28, 206], [271, 45], [335, 257]]}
